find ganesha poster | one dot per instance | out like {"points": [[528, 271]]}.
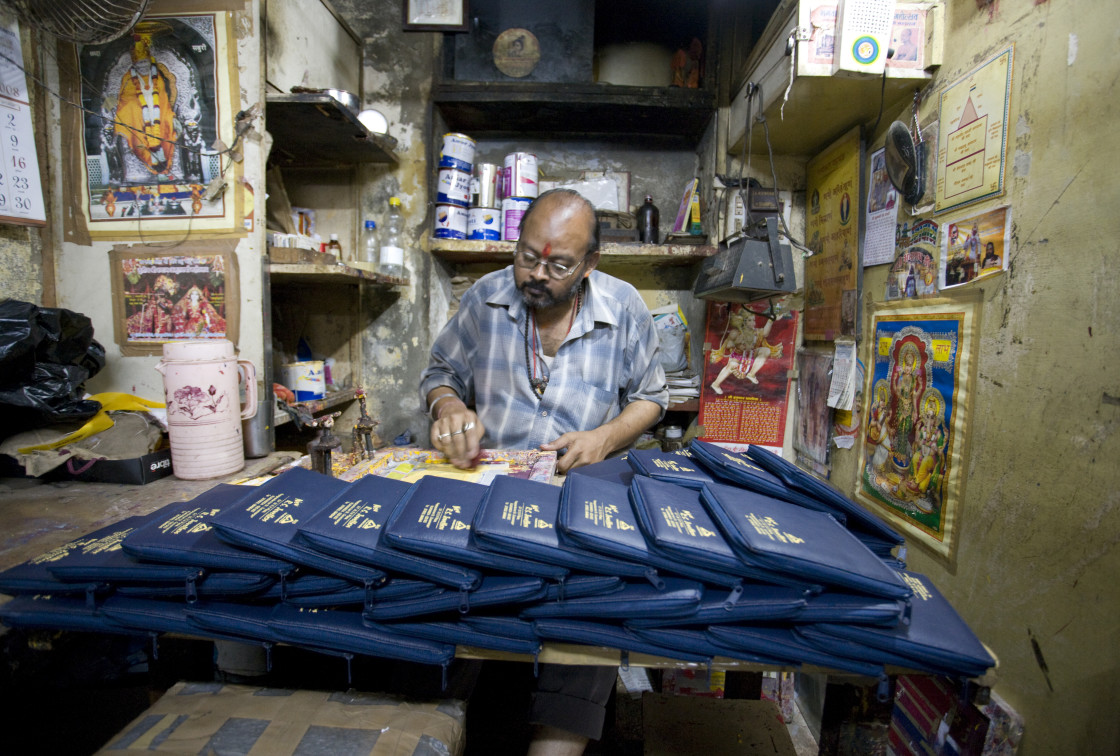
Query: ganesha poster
{"points": [[748, 355], [917, 401], [157, 114]]}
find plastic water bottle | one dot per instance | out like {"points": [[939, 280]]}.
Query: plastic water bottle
{"points": [[391, 258], [371, 247]]}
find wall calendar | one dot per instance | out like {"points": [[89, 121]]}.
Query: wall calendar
{"points": [[21, 193]]}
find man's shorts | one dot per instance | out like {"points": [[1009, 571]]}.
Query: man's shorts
{"points": [[573, 698]]}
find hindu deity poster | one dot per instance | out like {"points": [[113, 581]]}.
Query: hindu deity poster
{"points": [[917, 399], [748, 352], [833, 274], [190, 293], [158, 110]]}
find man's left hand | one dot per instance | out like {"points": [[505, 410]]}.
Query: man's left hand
{"points": [[584, 448]]}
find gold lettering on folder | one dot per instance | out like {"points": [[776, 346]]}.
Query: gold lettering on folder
{"points": [[768, 526]]}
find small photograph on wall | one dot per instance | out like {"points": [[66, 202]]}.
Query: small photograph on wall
{"points": [[157, 111], [914, 272], [975, 247], [159, 297]]}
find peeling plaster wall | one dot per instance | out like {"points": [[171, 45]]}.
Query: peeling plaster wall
{"points": [[396, 79], [21, 264], [1038, 559]]}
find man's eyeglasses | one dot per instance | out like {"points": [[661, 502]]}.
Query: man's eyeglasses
{"points": [[556, 271]]}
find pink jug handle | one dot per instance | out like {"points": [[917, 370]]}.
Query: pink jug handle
{"points": [[248, 375]]}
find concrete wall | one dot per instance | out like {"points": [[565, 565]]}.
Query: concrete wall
{"points": [[1038, 562]]}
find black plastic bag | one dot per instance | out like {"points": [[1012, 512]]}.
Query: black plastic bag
{"points": [[46, 356]]}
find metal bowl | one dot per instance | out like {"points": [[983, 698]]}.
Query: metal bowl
{"points": [[347, 99]]}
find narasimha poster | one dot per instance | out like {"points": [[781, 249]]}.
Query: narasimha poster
{"points": [[748, 355], [918, 394], [157, 110]]}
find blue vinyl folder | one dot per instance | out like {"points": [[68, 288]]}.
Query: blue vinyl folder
{"points": [[345, 631], [495, 590], [610, 636], [598, 515], [936, 634], [676, 524], [57, 613], [519, 517], [352, 527], [757, 603], [434, 519], [798, 541], [614, 469], [267, 519], [784, 643], [672, 467], [678, 598], [736, 469], [460, 633], [97, 557], [859, 519], [181, 533]]}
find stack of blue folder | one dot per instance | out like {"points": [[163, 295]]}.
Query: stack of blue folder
{"points": [[687, 555]]}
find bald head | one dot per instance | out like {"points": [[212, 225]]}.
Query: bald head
{"points": [[566, 202]]}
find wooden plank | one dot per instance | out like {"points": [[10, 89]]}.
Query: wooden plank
{"points": [[316, 131]]}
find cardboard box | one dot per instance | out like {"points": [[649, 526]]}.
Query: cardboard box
{"points": [[141, 470], [194, 718], [683, 725]]}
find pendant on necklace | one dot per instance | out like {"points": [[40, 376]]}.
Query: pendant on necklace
{"points": [[539, 384]]}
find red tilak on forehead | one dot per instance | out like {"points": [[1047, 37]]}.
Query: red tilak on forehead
{"points": [[547, 250]]}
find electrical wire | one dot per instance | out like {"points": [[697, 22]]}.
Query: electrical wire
{"points": [[756, 90]]}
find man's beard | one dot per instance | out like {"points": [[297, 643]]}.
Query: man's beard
{"points": [[538, 296]]}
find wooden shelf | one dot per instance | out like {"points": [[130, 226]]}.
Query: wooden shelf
{"points": [[662, 116], [316, 131], [337, 273], [317, 406], [461, 251]]}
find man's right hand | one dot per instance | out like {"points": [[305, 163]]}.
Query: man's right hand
{"points": [[458, 435]]}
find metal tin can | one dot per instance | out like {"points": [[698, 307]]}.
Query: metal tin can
{"points": [[513, 208], [484, 186], [307, 380], [451, 222], [457, 152], [484, 223], [520, 175], [454, 187]]}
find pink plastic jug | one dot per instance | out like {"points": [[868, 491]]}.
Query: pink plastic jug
{"points": [[204, 413]]}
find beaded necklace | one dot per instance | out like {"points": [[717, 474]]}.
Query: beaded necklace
{"points": [[540, 382]]}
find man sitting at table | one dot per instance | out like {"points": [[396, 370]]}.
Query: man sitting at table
{"points": [[549, 354]]}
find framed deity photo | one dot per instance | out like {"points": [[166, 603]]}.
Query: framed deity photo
{"points": [[918, 396], [435, 15]]}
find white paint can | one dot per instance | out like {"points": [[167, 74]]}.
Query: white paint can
{"points": [[454, 187], [307, 379], [520, 175], [457, 152], [484, 223], [513, 208], [451, 222]]}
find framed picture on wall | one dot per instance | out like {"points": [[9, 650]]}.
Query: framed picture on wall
{"points": [[435, 15], [918, 391]]}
